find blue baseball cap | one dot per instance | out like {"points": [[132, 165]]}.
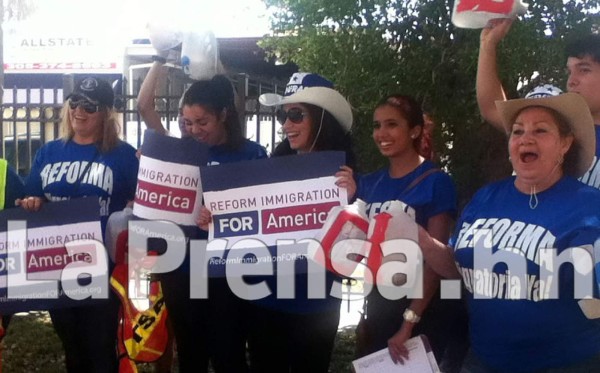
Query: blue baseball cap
{"points": [[97, 91]]}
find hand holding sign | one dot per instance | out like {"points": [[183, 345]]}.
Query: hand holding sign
{"points": [[495, 30], [204, 219], [30, 203]]}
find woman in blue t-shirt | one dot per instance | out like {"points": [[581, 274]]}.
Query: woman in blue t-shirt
{"points": [[212, 328], [508, 239], [90, 160], [297, 335], [430, 195]]}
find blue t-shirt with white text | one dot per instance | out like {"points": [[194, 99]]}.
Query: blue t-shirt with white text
{"points": [[513, 330], [61, 170]]}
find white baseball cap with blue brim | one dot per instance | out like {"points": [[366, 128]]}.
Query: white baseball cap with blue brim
{"points": [[544, 90]]}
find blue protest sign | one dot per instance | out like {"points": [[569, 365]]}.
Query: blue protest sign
{"points": [[43, 253], [169, 186], [262, 202]]}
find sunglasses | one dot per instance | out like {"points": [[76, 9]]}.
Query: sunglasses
{"points": [[89, 107], [295, 115]]}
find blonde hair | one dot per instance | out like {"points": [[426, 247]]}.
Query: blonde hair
{"points": [[109, 136]]}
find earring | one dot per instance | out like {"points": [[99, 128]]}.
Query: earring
{"points": [[413, 136], [560, 160]]}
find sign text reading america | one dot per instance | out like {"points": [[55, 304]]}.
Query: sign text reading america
{"points": [[268, 202]]}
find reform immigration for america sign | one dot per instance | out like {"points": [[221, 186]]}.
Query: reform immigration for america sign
{"points": [[169, 186], [43, 253], [265, 201]]}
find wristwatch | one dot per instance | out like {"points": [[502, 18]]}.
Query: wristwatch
{"points": [[411, 316]]}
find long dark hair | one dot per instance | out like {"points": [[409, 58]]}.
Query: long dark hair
{"points": [[332, 136], [216, 95]]}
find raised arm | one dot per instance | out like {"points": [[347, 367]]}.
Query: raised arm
{"points": [[438, 255], [145, 98], [489, 87]]}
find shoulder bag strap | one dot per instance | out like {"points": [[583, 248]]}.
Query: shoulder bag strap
{"points": [[420, 178]]}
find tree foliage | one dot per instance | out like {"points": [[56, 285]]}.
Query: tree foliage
{"points": [[370, 48]]}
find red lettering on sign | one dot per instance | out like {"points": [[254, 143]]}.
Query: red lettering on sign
{"points": [[57, 258], [492, 6], [296, 218], [165, 198]]}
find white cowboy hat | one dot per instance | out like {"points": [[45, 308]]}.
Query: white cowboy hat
{"points": [[305, 88]]}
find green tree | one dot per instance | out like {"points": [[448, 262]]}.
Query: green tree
{"points": [[370, 48]]}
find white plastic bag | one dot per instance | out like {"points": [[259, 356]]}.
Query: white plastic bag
{"points": [[199, 54], [164, 36]]}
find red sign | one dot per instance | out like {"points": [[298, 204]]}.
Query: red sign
{"points": [[491, 6], [57, 258], [296, 218], [165, 198], [60, 66]]}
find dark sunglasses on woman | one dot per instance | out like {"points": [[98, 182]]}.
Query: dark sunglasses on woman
{"points": [[295, 115], [88, 106]]}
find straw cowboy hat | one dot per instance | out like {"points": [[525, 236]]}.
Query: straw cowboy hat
{"points": [[575, 111]]}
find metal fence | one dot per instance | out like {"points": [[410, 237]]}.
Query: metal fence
{"points": [[31, 116]]}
